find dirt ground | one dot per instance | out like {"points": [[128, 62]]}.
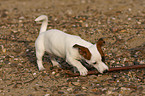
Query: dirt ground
{"points": [[121, 22]]}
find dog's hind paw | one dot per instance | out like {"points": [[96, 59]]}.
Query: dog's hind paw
{"points": [[41, 68]]}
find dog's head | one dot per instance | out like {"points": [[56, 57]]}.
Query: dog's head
{"points": [[94, 55]]}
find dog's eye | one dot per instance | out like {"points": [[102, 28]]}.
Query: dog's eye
{"points": [[95, 63]]}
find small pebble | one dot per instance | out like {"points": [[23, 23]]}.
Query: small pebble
{"points": [[129, 19], [142, 62], [69, 89], [76, 83], [138, 22], [3, 49], [14, 31], [117, 80], [57, 74], [21, 18], [86, 25], [113, 18], [129, 9], [84, 88], [112, 61], [53, 73], [34, 73]]}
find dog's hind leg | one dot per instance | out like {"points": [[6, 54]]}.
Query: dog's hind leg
{"points": [[54, 62]]}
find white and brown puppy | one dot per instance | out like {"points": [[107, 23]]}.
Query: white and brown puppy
{"points": [[67, 46]]}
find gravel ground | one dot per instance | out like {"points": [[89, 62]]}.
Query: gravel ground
{"points": [[121, 22]]}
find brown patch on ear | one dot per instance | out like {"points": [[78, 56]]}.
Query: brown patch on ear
{"points": [[99, 44], [83, 51]]}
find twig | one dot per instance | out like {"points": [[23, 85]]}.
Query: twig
{"points": [[95, 72]]}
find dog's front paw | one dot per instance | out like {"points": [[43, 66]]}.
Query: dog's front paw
{"points": [[101, 67], [83, 71]]}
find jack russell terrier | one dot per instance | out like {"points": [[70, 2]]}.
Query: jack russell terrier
{"points": [[67, 46]]}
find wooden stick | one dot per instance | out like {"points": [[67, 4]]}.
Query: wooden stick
{"points": [[95, 72]]}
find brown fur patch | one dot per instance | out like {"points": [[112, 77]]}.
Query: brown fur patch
{"points": [[83, 51], [99, 44]]}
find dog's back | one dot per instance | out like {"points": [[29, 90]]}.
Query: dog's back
{"points": [[56, 40]]}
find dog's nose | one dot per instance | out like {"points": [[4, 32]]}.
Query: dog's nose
{"points": [[105, 71]]}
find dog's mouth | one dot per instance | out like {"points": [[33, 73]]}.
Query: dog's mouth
{"points": [[88, 66]]}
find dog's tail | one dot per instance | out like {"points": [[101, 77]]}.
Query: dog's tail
{"points": [[44, 18]]}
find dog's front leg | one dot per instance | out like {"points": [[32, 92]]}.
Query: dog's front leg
{"points": [[83, 71]]}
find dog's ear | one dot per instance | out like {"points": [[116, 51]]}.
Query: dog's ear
{"points": [[99, 44], [83, 51]]}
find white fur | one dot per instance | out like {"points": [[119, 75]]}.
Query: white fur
{"points": [[61, 44]]}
